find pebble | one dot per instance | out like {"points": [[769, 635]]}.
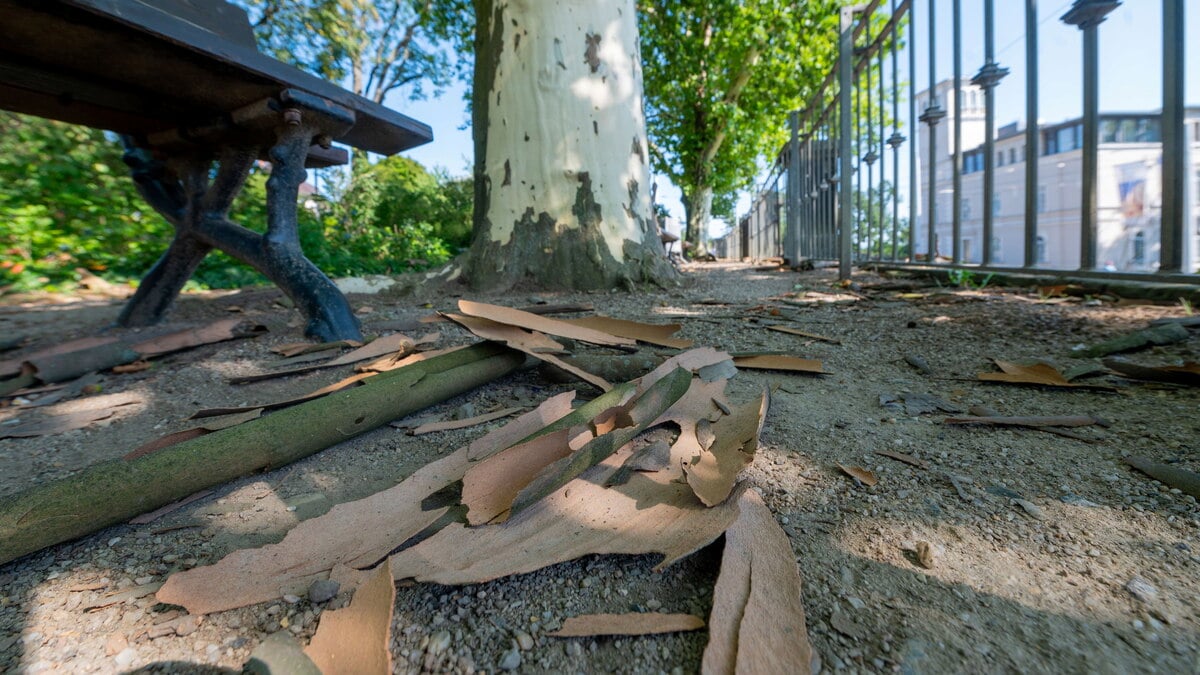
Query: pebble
{"points": [[512, 658], [438, 642], [323, 590], [925, 554], [291, 599], [126, 657], [1141, 589], [653, 604], [524, 640]]}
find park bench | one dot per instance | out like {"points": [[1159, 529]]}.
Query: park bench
{"points": [[196, 106]]}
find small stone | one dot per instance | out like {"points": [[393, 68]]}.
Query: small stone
{"points": [[115, 644], [856, 603], [187, 625], [323, 590], [652, 604], [291, 599], [126, 657], [524, 640], [1141, 589], [1030, 508], [438, 642], [512, 658], [925, 554]]}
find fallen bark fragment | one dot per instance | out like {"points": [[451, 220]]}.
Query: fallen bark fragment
{"points": [[298, 348], [1039, 374], [757, 620], [713, 472], [649, 623], [352, 535], [1173, 476], [63, 367], [323, 391], [647, 407], [1031, 421], [450, 425], [114, 491], [650, 458], [812, 336], [78, 415], [188, 338], [780, 362], [10, 367], [652, 513], [135, 367], [619, 368], [859, 474], [388, 344], [357, 640], [1164, 334], [1188, 373], [655, 334], [535, 344], [901, 457], [195, 432], [541, 324], [490, 486], [135, 593], [985, 411]]}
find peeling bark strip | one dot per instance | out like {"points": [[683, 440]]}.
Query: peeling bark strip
{"points": [[555, 207]]}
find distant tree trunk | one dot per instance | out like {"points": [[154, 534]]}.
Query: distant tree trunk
{"points": [[698, 205], [561, 166]]}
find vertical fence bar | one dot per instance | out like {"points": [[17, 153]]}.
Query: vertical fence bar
{"points": [[896, 139], [932, 115], [1087, 15], [914, 181], [956, 180], [869, 157], [856, 198], [882, 160], [987, 78], [791, 238], [1032, 150], [845, 74], [1174, 169]]}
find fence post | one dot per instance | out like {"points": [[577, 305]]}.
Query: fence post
{"points": [[845, 88], [791, 237], [932, 115], [1032, 133], [1174, 143]]}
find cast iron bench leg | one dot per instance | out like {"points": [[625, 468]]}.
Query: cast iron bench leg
{"points": [[181, 192]]}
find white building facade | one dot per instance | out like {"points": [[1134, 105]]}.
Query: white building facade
{"points": [[1128, 187]]}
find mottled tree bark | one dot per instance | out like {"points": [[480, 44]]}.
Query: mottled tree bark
{"points": [[561, 164]]}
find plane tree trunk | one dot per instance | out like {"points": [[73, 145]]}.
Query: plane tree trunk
{"points": [[562, 194]]}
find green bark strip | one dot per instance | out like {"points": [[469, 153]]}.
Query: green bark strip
{"points": [[644, 411], [116, 490]]}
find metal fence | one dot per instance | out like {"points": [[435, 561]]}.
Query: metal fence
{"points": [[879, 172]]}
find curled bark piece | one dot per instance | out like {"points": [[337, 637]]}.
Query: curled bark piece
{"points": [[1187, 481], [357, 640]]}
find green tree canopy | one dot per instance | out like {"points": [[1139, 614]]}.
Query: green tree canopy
{"points": [[721, 76]]}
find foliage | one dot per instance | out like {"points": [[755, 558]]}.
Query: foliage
{"points": [[870, 227], [66, 202], [720, 76], [373, 47]]}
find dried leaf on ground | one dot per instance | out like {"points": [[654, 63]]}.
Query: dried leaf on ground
{"points": [[449, 425], [195, 432], [780, 362], [901, 457], [357, 640], [297, 348], [397, 361], [72, 415], [655, 334], [218, 331], [541, 324], [135, 367], [1040, 374], [1184, 480], [859, 474], [797, 331], [490, 486], [648, 623], [713, 472], [757, 621], [1188, 373], [916, 404], [355, 534]]}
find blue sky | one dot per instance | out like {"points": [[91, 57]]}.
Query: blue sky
{"points": [[1130, 72]]}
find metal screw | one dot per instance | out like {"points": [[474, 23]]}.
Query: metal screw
{"points": [[324, 141], [291, 117]]}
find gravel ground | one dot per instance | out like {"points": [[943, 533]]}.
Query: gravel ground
{"points": [[1011, 550]]}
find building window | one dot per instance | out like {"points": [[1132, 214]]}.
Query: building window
{"points": [[995, 203], [966, 209], [1000, 158], [1012, 155], [1041, 249], [1041, 199], [1139, 248]]}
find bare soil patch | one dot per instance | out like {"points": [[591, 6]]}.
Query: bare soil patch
{"points": [[1009, 550]]}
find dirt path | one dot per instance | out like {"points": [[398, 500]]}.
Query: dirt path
{"points": [[1048, 553]]}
